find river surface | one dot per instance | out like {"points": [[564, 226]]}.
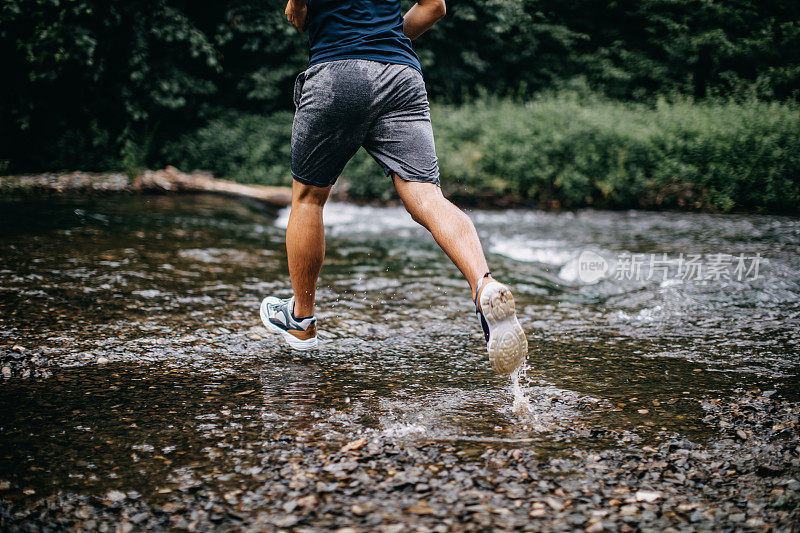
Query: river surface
{"points": [[688, 307]]}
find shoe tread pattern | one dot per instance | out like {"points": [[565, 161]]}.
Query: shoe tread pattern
{"points": [[507, 342]]}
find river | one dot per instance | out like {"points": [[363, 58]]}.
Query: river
{"points": [[687, 307]]}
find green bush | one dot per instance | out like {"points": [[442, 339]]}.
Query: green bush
{"points": [[242, 147], [712, 155], [103, 84], [559, 150]]}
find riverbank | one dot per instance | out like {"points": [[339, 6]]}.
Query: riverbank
{"points": [[747, 477], [553, 151], [168, 180], [557, 150]]}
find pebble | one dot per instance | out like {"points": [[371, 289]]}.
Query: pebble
{"points": [[422, 508], [554, 504], [628, 510], [102, 361], [354, 445], [597, 527], [377, 483], [647, 495], [139, 518], [359, 510], [115, 495], [576, 519]]}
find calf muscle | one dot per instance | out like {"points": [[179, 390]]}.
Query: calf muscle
{"points": [[450, 227]]}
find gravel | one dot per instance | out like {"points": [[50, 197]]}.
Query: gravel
{"points": [[378, 483]]}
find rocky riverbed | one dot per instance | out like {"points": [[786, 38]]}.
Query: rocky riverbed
{"points": [[139, 390], [747, 477]]}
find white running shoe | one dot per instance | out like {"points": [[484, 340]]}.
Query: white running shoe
{"points": [[278, 317], [505, 340]]}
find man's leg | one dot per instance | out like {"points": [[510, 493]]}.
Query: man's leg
{"points": [[305, 244], [451, 227], [455, 233]]}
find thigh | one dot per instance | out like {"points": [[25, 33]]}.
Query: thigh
{"points": [[330, 122], [400, 139]]}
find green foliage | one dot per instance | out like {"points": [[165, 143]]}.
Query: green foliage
{"points": [[134, 151], [240, 146], [118, 84], [562, 150], [631, 50], [85, 80], [714, 155]]}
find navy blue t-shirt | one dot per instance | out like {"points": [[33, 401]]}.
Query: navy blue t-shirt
{"points": [[358, 29]]}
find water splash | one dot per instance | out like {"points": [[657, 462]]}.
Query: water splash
{"points": [[521, 405], [542, 408]]}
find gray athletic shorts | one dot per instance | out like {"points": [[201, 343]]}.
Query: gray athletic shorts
{"points": [[348, 103]]}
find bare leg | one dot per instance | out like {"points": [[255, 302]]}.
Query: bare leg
{"points": [[305, 244], [451, 228]]}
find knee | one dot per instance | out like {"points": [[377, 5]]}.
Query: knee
{"points": [[418, 218], [413, 209], [309, 195], [422, 207]]}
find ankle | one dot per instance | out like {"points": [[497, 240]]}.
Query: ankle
{"points": [[481, 282], [300, 312]]}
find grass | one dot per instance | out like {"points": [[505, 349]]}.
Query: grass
{"points": [[558, 151]]}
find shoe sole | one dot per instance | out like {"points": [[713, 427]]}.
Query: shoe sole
{"points": [[507, 342], [291, 340]]}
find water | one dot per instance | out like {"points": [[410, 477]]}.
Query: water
{"points": [[167, 288]]}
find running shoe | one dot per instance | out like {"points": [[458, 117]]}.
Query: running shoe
{"points": [[505, 340], [278, 317]]}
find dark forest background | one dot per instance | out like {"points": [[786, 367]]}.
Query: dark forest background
{"points": [[125, 84]]}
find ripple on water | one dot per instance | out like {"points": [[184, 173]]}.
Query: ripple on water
{"points": [[167, 289]]}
